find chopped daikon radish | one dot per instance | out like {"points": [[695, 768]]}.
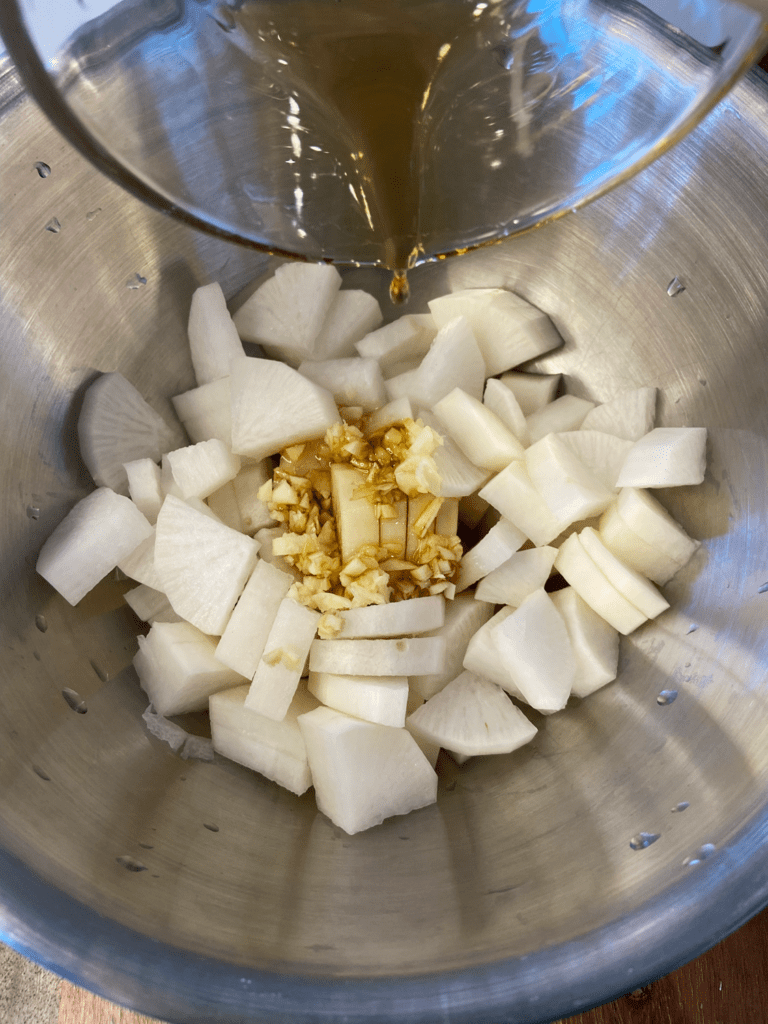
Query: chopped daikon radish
{"points": [[352, 315], [273, 406], [356, 521], [653, 524], [422, 509], [577, 568], [213, 338], [631, 584], [362, 772], [245, 637], [282, 662], [463, 617], [473, 716], [417, 656], [403, 618], [101, 530], [628, 415], [353, 381], [406, 338], [594, 641], [508, 329], [536, 650], [393, 532], [484, 658], [380, 699], [519, 576], [253, 511], [654, 562], [603, 454], [447, 519], [286, 313], [499, 544], [274, 749], [569, 488], [206, 411], [565, 413], [202, 468], [224, 503], [177, 669], [393, 412], [453, 360], [502, 402], [480, 434], [458, 476], [116, 426], [532, 390], [513, 494], [150, 605], [202, 564], [666, 457], [144, 487], [140, 563]]}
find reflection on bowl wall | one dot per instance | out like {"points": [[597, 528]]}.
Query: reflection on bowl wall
{"points": [[528, 891]]}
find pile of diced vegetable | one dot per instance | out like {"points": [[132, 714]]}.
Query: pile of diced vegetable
{"points": [[299, 562]]}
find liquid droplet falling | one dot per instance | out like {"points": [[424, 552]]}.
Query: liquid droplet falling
{"points": [[674, 288], [643, 840], [92, 213], [53, 226], [703, 853], [75, 701], [42, 169], [40, 773], [33, 512], [667, 697], [692, 628], [130, 864], [137, 281], [41, 622], [682, 806], [399, 289]]}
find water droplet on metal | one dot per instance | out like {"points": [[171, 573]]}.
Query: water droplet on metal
{"points": [[41, 622], [675, 287], [643, 840], [75, 701], [763, 589], [53, 226], [211, 828], [702, 853], [667, 697], [92, 213], [135, 282], [33, 512], [224, 18], [42, 169], [130, 864], [692, 628], [39, 772], [146, 846], [682, 806], [37, 655], [103, 676]]}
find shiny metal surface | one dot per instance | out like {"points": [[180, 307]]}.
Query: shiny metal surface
{"points": [[516, 898], [251, 118]]}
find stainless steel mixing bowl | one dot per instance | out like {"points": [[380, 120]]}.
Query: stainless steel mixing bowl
{"points": [[199, 892]]}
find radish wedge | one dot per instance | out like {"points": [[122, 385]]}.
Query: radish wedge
{"points": [[594, 641], [353, 381], [351, 316], [403, 657], [666, 457], [629, 415], [653, 562], [627, 581], [380, 699], [519, 576], [480, 434], [243, 641], [565, 413], [501, 541], [403, 618], [513, 493], [577, 568], [213, 338], [463, 617], [453, 360], [532, 390]]}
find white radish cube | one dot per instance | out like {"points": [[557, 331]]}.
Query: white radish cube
{"points": [[403, 657], [393, 412], [653, 562], [499, 544], [631, 584], [484, 658], [286, 313], [144, 487], [502, 403], [536, 649], [362, 772], [594, 641], [150, 605], [140, 563], [116, 426], [629, 415], [479, 433], [472, 716], [275, 750], [447, 519], [603, 454], [213, 338], [206, 411], [422, 508], [223, 503], [519, 576], [282, 662], [513, 493], [101, 530], [453, 360], [400, 618], [243, 641], [273, 406], [406, 338], [532, 390], [254, 513], [352, 381], [565, 413], [177, 669], [508, 329], [202, 564], [463, 618], [381, 699], [200, 469], [356, 521], [458, 476], [666, 457], [570, 489], [592, 585], [651, 521], [393, 533], [352, 315]]}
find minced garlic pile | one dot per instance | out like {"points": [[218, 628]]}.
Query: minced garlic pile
{"points": [[373, 487]]}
